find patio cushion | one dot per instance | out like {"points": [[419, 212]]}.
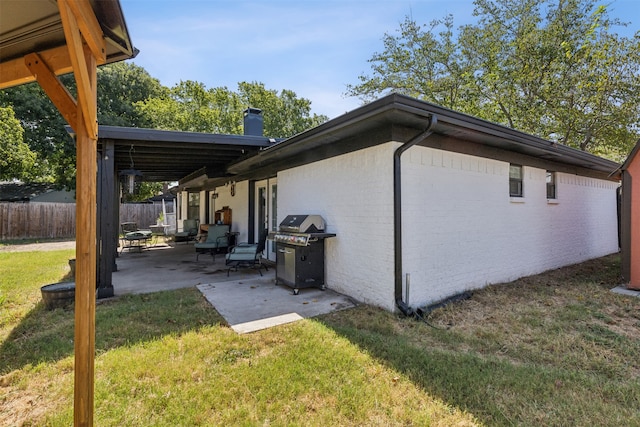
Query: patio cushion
{"points": [[217, 237]]}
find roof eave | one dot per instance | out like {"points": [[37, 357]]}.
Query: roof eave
{"points": [[402, 110]]}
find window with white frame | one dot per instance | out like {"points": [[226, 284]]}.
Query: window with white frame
{"points": [[515, 181], [551, 185]]}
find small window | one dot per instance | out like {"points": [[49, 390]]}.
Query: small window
{"points": [[515, 181], [551, 185]]}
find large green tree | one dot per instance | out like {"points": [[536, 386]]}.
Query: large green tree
{"points": [[552, 68], [190, 106], [16, 159], [120, 86]]}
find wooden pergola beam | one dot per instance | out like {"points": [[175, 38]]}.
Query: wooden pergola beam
{"points": [[89, 27], [85, 47], [86, 87], [53, 87], [82, 116], [16, 72]]}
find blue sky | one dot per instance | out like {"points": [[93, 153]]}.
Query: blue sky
{"points": [[312, 47]]}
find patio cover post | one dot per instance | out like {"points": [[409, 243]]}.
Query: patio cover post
{"points": [[40, 47], [86, 46], [86, 49]]}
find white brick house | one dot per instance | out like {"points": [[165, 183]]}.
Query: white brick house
{"points": [[465, 222]]}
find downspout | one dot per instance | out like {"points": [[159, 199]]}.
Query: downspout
{"points": [[397, 212]]}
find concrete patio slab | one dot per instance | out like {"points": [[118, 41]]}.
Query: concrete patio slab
{"points": [[624, 291], [248, 302], [250, 305]]}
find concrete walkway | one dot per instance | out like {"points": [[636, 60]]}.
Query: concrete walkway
{"points": [[247, 301]]}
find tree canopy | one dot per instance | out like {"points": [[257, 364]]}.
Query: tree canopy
{"points": [[552, 68], [16, 159], [190, 106], [129, 96], [120, 86]]}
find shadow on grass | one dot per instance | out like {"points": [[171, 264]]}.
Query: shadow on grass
{"points": [[469, 371], [45, 336]]}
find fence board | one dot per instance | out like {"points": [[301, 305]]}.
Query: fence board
{"points": [[144, 214], [58, 220]]}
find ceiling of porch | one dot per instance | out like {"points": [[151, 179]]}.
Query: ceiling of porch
{"points": [[167, 156]]}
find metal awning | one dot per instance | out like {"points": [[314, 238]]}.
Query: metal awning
{"points": [[163, 155]]}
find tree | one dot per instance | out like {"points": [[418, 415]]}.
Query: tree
{"points": [[190, 106], [120, 85], [43, 126], [16, 159], [551, 68], [284, 114]]}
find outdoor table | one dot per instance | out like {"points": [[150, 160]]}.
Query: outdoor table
{"points": [[136, 239]]}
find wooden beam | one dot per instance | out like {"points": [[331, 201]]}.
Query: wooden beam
{"points": [[54, 88], [85, 298], [89, 27], [16, 72], [84, 69], [83, 81], [86, 253]]}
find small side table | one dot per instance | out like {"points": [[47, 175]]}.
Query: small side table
{"points": [[232, 238]]}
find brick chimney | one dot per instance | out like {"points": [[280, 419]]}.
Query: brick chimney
{"points": [[253, 125]]}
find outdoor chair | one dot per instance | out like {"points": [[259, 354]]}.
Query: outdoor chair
{"points": [[247, 255], [189, 231], [217, 238]]}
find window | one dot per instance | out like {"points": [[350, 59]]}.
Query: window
{"points": [[515, 181], [551, 185], [193, 208]]}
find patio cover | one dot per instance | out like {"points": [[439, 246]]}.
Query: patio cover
{"points": [[39, 40]]}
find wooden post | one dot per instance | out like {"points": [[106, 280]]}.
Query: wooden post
{"points": [[85, 278], [86, 47]]}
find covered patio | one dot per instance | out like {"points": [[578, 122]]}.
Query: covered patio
{"points": [[248, 301]]}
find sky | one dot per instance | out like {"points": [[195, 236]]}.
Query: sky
{"points": [[313, 47]]}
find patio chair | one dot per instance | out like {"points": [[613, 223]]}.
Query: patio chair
{"points": [[217, 238], [247, 255], [189, 231]]}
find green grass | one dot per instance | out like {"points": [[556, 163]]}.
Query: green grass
{"points": [[554, 349]]}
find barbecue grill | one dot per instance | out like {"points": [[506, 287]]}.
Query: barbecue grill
{"points": [[300, 251]]}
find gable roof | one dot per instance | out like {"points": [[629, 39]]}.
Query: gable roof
{"points": [[336, 137]]}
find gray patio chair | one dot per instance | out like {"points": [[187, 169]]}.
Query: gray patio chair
{"points": [[189, 231], [247, 255], [217, 238]]}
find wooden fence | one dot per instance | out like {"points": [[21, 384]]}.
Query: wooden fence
{"points": [[58, 220], [143, 214]]}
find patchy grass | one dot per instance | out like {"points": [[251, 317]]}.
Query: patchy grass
{"points": [[555, 349], [168, 359]]}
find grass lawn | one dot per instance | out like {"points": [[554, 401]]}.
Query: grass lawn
{"points": [[554, 349]]}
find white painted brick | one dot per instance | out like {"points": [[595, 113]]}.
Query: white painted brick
{"points": [[461, 230]]}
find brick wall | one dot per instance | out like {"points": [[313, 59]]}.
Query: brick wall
{"points": [[351, 192], [470, 233], [461, 229]]}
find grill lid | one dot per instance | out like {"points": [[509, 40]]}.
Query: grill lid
{"points": [[302, 224]]}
